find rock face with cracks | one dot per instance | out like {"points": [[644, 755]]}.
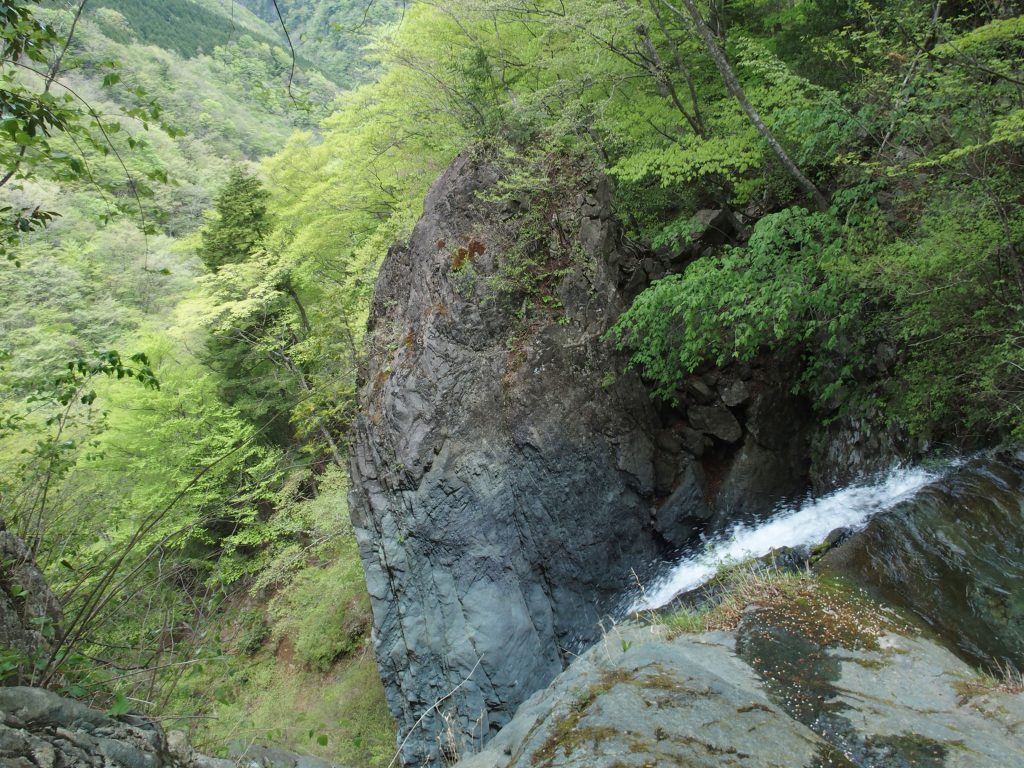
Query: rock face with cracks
{"points": [[767, 696], [509, 481], [40, 729]]}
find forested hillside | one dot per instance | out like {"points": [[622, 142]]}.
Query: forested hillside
{"points": [[153, 489], [185, 27], [174, 192], [845, 145], [330, 33]]}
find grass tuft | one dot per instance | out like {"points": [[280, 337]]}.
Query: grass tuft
{"points": [[731, 592]]}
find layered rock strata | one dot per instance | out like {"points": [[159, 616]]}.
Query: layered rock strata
{"points": [[509, 481]]}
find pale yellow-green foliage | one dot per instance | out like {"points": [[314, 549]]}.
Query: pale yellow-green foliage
{"points": [[341, 199], [325, 611], [313, 686], [274, 699]]}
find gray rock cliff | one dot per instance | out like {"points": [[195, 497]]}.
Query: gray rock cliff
{"points": [[509, 482]]}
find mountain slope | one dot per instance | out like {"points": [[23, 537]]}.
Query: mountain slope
{"points": [[119, 486], [330, 33]]}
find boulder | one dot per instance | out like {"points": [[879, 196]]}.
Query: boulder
{"points": [[734, 393], [502, 487], [39, 729], [639, 699], [784, 690], [716, 421]]}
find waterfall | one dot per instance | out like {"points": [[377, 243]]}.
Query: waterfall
{"points": [[790, 525]]}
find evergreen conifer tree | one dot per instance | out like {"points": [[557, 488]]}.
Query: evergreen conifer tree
{"points": [[236, 232]]}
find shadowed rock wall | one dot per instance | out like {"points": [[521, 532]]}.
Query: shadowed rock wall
{"points": [[30, 614]]}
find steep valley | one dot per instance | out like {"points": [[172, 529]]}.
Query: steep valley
{"points": [[501, 384]]}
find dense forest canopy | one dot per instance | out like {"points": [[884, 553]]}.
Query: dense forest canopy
{"points": [[330, 34], [181, 26], [174, 191]]}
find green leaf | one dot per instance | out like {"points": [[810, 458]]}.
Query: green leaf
{"points": [[121, 706]]}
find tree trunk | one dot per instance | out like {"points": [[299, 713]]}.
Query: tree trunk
{"points": [[734, 87], [289, 289]]}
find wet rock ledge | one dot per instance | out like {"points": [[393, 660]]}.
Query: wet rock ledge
{"points": [[796, 687]]}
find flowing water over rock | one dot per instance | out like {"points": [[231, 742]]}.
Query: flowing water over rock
{"points": [[508, 486], [946, 544], [507, 475], [800, 525], [954, 556], [828, 673]]}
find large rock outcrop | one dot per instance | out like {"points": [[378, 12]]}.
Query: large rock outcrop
{"points": [[509, 481], [787, 699]]}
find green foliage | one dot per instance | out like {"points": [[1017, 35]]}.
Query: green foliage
{"points": [[331, 33], [691, 161], [884, 107], [12, 662], [152, 509], [334, 609], [904, 299], [84, 471], [47, 132], [269, 699], [160, 512], [71, 384], [318, 640], [533, 251], [784, 287], [239, 222], [182, 26], [254, 631]]}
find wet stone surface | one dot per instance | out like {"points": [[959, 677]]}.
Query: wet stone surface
{"points": [[873, 688], [954, 556], [823, 682], [640, 699]]}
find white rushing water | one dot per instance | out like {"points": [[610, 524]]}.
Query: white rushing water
{"points": [[807, 523]]}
